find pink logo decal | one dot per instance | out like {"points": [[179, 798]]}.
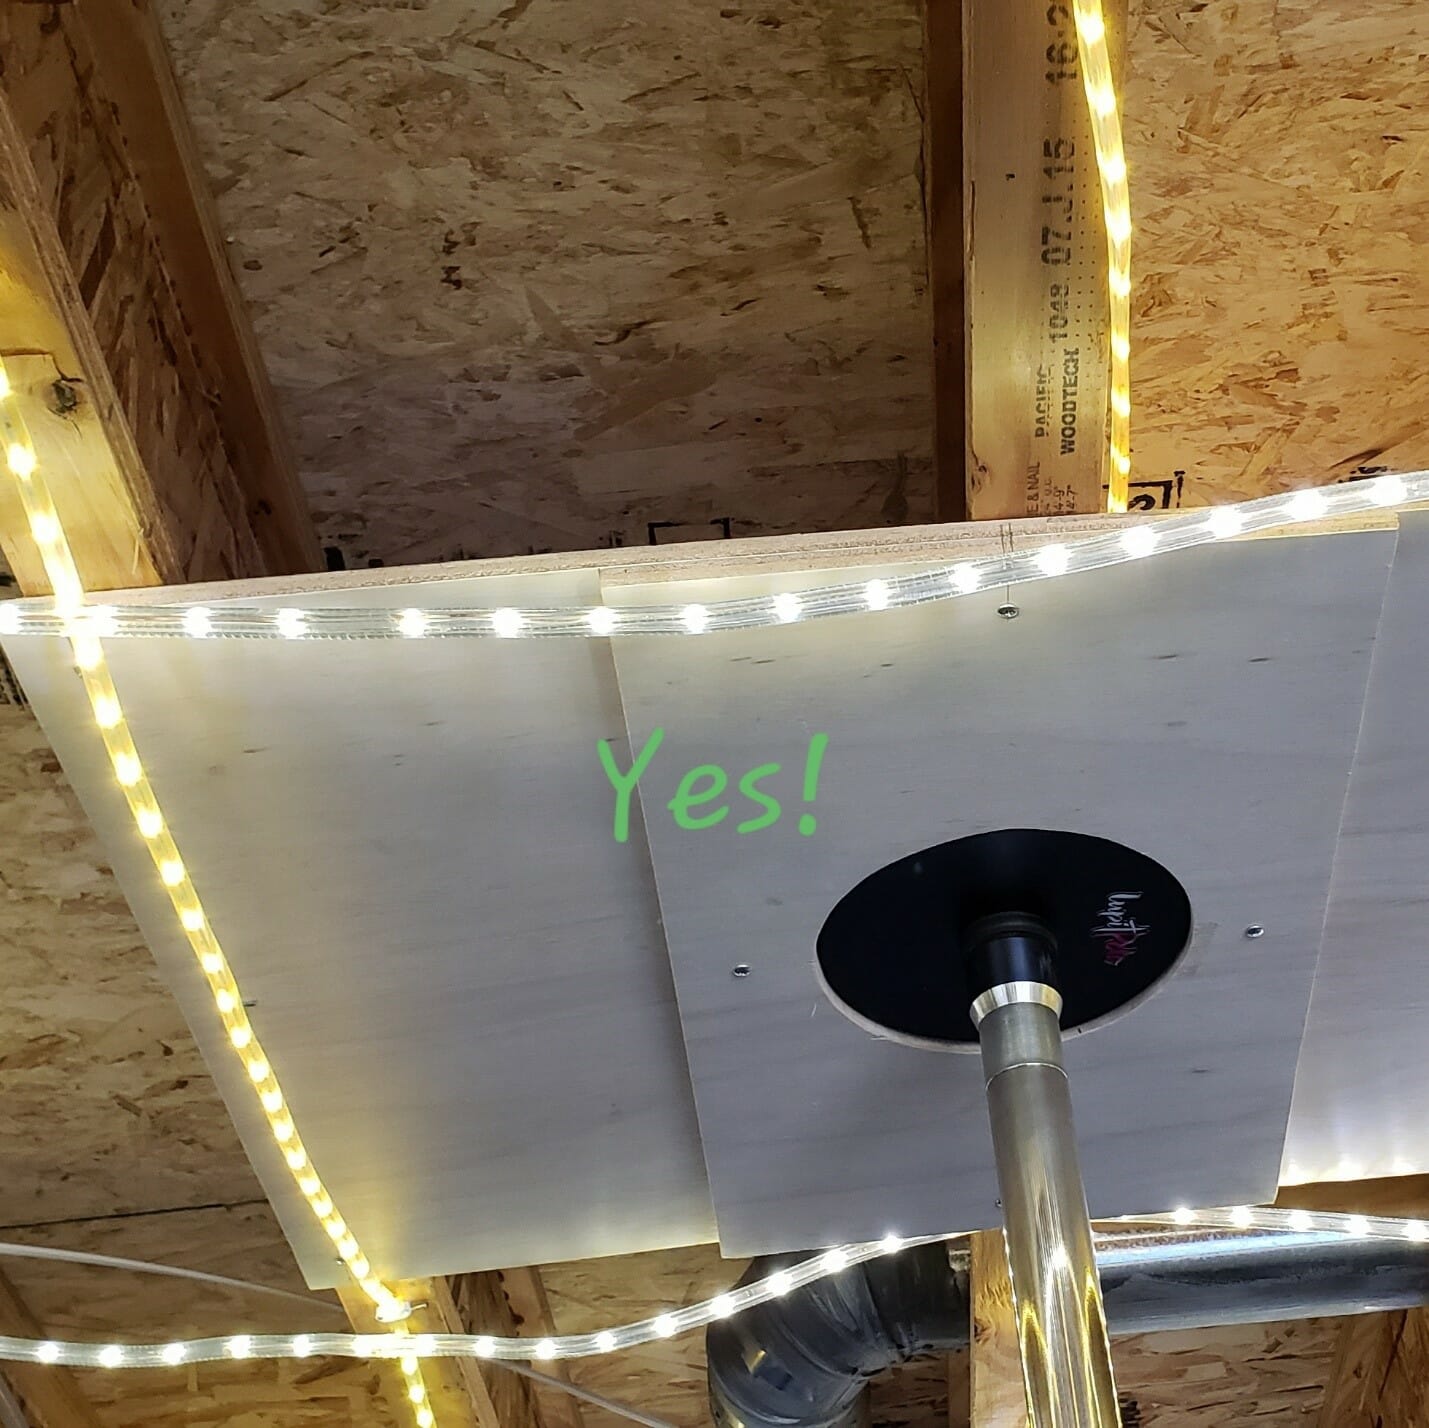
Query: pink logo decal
{"points": [[1118, 929]]}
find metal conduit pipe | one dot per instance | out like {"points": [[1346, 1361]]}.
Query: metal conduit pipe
{"points": [[802, 1361]]}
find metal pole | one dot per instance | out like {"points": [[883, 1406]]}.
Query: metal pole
{"points": [[1061, 1324]]}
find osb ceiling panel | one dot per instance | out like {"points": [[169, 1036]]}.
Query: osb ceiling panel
{"points": [[534, 277], [1279, 161], [108, 1108]]}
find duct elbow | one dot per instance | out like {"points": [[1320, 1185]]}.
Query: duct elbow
{"points": [[802, 1361]]}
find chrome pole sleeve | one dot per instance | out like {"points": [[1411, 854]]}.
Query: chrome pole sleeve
{"points": [[1061, 1324]]}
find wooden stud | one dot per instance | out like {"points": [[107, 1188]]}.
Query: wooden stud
{"points": [[48, 1393], [449, 1385], [115, 286], [1036, 265], [526, 1295], [946, 250], [478, 1305], [1382, 1360], [999, 1398]]}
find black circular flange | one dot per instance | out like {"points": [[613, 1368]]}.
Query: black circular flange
{"points": [[896, 953]]}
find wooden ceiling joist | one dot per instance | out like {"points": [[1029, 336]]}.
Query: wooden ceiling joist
{"points": [[999, 1399], [48, 1394], [526, 1294], [150, 408], [1020, 259], [1381, 1361]]}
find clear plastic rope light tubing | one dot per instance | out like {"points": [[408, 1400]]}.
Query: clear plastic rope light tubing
{"points": [[410, 1349], [74, 619], [1130, 542], [1098, 82]]}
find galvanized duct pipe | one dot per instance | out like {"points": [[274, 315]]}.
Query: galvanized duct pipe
{"points": [[802, 1361]]}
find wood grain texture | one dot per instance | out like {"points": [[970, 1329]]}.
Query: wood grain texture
{"points": [[666, 1377], [477, 1304], [693, 287], [946, 239], [1036, 305], [946, 721], [1381, 1360], [457, 1393], [999, 1397], [1358, 1371], [108, 1108], [49, 1395], [246, 1242], [1278, 188], [89, 287], [1269, 1375], [526, 1294], [625, 225]]}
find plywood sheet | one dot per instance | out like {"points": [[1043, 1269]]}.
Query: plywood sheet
{"points": [[460, 976], [1361, 1090], [463, 990], [1213, 730]]}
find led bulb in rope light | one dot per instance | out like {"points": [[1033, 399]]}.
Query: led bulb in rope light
{"points": [[86, 627], [1097, 79], [1150, 540], [411, 1349]]}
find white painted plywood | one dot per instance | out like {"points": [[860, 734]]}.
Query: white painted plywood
{"points": [[1361, 1104], [458, 975], [1203, 709]]}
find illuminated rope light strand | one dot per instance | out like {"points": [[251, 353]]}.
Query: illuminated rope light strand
{"points": [[1116, 208], [926, 586], [86, 627], [660, 1326]]}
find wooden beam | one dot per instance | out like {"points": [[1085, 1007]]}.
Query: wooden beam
{"points": [[1036, 302], [1381, 1362], [481, 1306], [456, 1391], [946, 251], [999, 1399], [151, 408], [1357, 1375], [530, 1307], [48, 1394]]}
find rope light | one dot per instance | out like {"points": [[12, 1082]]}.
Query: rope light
{"points": [[668, 1323], [86, 628], [1150, 540], [1116, 207]]}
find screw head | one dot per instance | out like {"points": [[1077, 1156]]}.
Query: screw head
{"points": [[742, 970], [1008, 612], [1254, 930]]}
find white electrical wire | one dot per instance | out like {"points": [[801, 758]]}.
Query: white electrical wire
{"points": [[1132, 542], [599, 1400], [145, 1266], [413, 1347]]}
